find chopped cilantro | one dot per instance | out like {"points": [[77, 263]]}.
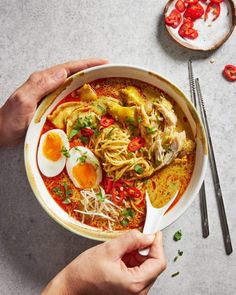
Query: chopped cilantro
{"points": [[177, 236], [128, 212], [83, 158], [175, 274], [65, 152], [130, 154], [66, 201], [57, 190], [138, 169], [101, 196], [130, 121], [140, 120], [124, 222], [73, 133], [110, 132], [150, 130], [180, 253], [176, 257], [96, 132], [68, 192]]}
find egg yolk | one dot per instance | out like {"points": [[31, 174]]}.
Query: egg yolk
{"points": [[85, 174], [52, 146]]}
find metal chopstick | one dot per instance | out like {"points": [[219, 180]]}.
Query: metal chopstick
{"points": [[202, 192], [215, 176]]}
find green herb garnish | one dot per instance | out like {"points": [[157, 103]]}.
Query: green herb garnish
{"points": [[180, 253], [175, 274], [131, 155], [101, 196], [150, 130], [124, 222], [65, 152], [128, 212], [68, 192], [138, 169], [140, 120], [57, 190], [84, 139], [176, 257], [101, 108], [110, 132], [83, 158], [73, 133], [177, 236]]}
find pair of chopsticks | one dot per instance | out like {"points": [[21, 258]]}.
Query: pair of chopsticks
{"points": [[195, 89]]}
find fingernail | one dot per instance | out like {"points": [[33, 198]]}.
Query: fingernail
{"points": [[60, 74]]}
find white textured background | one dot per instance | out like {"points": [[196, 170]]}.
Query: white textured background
{"points": [[36, 34]]}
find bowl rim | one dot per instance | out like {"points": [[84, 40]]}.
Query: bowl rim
{"points": [[57, 92]]}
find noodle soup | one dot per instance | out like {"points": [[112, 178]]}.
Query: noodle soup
{"points": [[108, 142]]}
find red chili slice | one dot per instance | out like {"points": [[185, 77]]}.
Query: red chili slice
{"points": [[230, 72], [118, 193], [217, 1], [135, 144], [173, 19], [87, 132], [106, 121], [194, 11], [215, 7], [187, 31], [191, 1], [180, 5], [133, 192], [108, 184]]}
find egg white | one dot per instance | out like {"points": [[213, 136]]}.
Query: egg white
{"points": [[73, 160], [52, 168]]}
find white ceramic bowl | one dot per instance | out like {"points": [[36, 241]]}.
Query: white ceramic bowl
{"points": [[77, 80]]}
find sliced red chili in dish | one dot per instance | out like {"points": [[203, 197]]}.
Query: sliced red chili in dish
{"points": [[135, 144], [133, 192], [187, 31], [191, 1], [87, 132], [180, 5], [106, 121], [230, 72], [217, 1], [173, 19], [118, 193], [194, 11], [215, 8], [108, 184]]}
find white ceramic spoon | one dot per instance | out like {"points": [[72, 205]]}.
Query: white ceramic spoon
{"points": [[153, 218]]}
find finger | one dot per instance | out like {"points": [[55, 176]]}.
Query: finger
{"points": [[43, 82], [129, 242], [156, 262]]}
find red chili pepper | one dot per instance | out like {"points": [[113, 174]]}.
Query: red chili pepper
{"points": [[194, 11], [180, 5], [118, 193], [230, 72], [133, 192], [135, 144], [106, 121], [108, 184], [203, 1], [187, 31], [173, 19], [215, 7], [87, 132], [188, 22], [191, 1], [217, 1]]}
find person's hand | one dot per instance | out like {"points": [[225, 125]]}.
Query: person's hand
{"points": [[17, 112], [114, 267]]}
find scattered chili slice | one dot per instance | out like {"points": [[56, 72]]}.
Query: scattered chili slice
{"points": [[108, 184], [191, 1], [173, 19], [118, 193], [230, 72], [194, 11], [133, 192], [87, 132], [215, 8], [135, 144], [217, 1], [186, 31], [106, 121], [180, 5]]}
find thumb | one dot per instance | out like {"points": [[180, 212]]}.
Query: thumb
{"points": [[131, 241]]}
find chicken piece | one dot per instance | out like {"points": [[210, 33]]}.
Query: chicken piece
{"points": [[122, 114], [175, 147], [167, 113], [131, 96], [87, 93], [60, 114]]}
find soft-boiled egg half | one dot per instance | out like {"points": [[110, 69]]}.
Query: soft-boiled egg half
{"points": [[83, 168], [52, 151]]}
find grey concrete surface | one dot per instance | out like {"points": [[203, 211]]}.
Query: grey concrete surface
{"points": [[36, 34]]}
